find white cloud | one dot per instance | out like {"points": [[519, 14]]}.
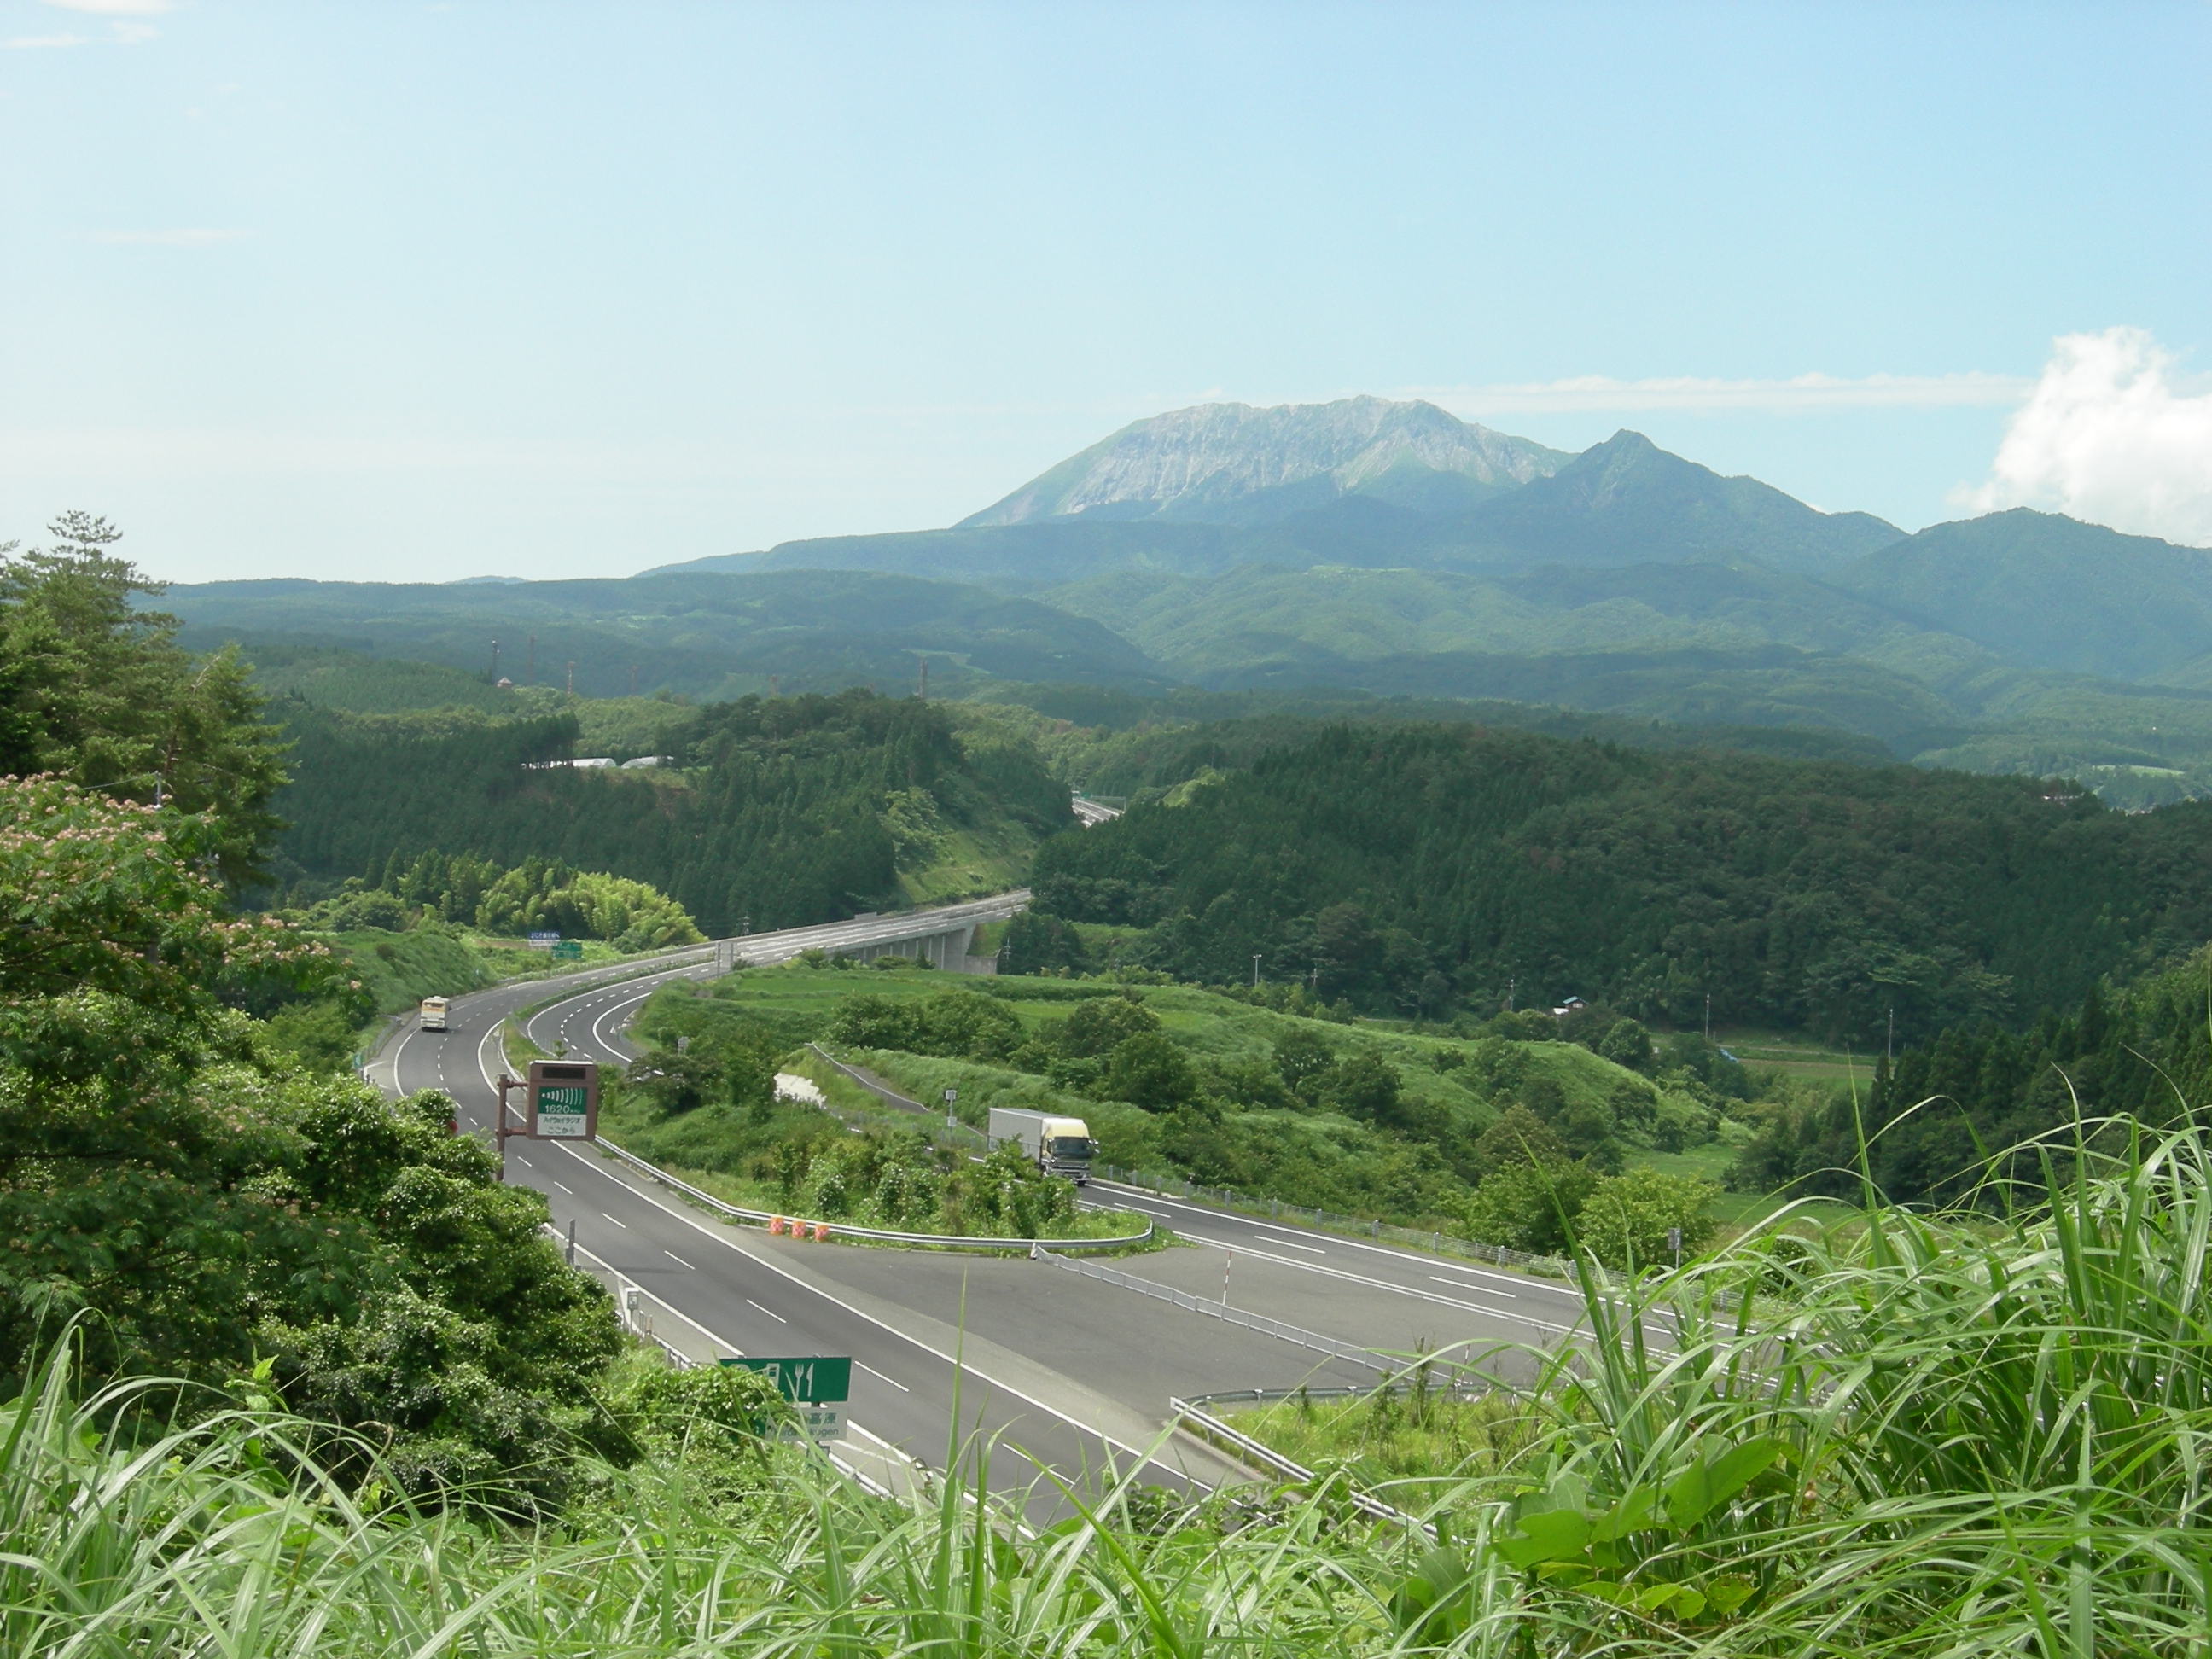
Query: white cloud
{"points": [[115, 7], [2108, 435], [1598, 391], [170, 238]]}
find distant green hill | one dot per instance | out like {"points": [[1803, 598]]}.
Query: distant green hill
{"points": [[2049, 591], [329, 677], [1628, 501], [706, 635], [1246, 617], [1379, 548], [785, 811], [1406, 867]]}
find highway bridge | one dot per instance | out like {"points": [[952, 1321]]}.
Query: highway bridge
{"points": [[1063, 1370]]}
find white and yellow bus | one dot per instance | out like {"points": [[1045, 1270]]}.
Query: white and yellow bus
{"points": [[434, 1013]]}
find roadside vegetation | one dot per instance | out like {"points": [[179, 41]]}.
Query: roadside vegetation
{"points": [[703, 1102], [1918, 1440], [1503, 1134]]}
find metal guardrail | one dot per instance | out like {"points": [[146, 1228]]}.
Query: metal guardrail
{"points": [[1227, 1313], [1206, 1426], [824, 1230], [629, 1299]]}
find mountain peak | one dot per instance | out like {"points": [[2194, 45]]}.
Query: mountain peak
{"points": [[1233, 463], [1627, 500]]}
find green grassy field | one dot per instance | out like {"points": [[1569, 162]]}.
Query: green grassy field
{"points": [[1798, 1057]]}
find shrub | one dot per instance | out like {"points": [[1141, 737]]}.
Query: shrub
{"points": [[1626, 1219], [1626, 1042], [1365, 1086], [1148, 1070], [1098, 1025], [1529, 1207]]}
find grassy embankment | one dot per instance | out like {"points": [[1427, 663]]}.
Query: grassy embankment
{"points": [[1907, 1466], [1311, 1157], [852, 1160]]}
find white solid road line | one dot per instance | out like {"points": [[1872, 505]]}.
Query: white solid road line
{"points": [[718, 1340], [958, 1364], [1410, 1257], [1384, 1285], [771, 1312], [1288, 1244], [1480, 1290], [880, 1377], [599, 1035]]}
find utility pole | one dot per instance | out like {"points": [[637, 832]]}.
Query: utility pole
{"points": [[571, 679], [633, 680], [1256, 970], [495, 662], [1512, 985], [924, 693], [772, 679], [1889, 1043], [1709, 1016]]}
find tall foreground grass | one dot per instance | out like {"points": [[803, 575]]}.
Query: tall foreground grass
{"points": [[1927, 1438]]}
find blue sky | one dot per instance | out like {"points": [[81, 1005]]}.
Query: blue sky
{"points": [[380, 291]]}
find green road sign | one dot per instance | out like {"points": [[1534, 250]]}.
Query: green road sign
{"points": [[568, 950], [819, 1380]]}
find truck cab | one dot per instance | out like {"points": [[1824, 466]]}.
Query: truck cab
{"points": [[1066, 1149], [1057, 1146]]}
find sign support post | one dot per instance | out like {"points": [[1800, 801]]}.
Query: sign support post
{"points": [[501, 1133]]}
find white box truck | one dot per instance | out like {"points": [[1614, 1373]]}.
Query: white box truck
{"points": [[434, 1013], [1057, 1146]]}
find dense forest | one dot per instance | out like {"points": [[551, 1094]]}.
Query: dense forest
{"points": [[782, 812], [1417, 869], [1958, 1107]]}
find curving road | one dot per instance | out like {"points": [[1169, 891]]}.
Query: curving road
{"points": [[1067, 1371]]}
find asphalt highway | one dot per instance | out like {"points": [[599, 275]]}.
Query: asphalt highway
{"points": [[1059, 1369]]}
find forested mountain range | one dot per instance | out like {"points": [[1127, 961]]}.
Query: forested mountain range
{"points": [[798, 809], [701, 635], [1390, 549], [1422, 867]]}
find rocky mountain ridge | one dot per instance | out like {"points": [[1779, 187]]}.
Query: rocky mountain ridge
{"points": [[1233, 463]]}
